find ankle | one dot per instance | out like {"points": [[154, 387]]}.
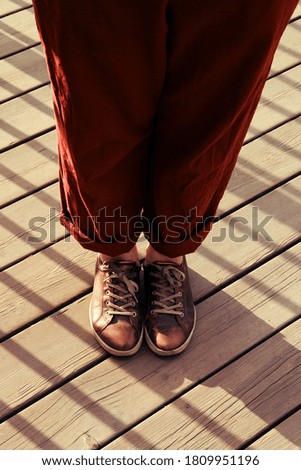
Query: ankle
{"points": [[131, 255], [153, 255]]}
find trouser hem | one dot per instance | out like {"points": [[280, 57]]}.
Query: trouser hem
{"points": [[112, 248]]}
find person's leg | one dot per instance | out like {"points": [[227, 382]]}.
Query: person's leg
{"points": [[220, 53], [107, 64]]}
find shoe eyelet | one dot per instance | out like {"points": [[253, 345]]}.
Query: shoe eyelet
{"points": [[134, 314], [107, 302], [179, 284], [180, 304], [152, 312], [180, 294], [182, 315], [108, 292]]}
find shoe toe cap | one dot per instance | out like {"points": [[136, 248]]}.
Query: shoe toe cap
{"points": [[123, 337]]}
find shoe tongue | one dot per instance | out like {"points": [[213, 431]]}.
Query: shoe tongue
{"points": [[166, 263], [125, 266]]}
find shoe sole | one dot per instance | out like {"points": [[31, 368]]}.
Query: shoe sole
{"points": [[171, 352], [109, 349]]}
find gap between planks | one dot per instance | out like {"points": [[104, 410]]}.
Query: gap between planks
{"points": [[250, 180], [261, 120], [228, 323], [62, 345], [285, 436], [67, 270], [10, 7], [282, 95], [26, 70], [22, 26], [229, 408]]}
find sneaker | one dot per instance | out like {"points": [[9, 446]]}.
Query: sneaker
{"points": [[115, 314], [171, 315]]}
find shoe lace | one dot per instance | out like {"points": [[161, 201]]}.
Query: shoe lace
{"points": [[165, 281], [120, 288]]}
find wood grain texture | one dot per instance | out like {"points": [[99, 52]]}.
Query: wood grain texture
{"points": [[64, 343], [31, 288], [32, 113], [288, 52], [42, 282], [47, 353], [235, 244], [297, 11], [12, 6], [27, 168], [18, 31], [27, 69], [285, 436], [262, 163], [232, 406], [26, 116], [30, 224], [235, 319], [280, 101], [223, 412], [21, 72]]}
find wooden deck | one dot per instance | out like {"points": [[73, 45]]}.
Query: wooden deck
{"points": [[238, 385]]}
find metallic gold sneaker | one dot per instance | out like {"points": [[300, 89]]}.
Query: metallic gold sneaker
{"points": [[115, 313], [171, 316]]}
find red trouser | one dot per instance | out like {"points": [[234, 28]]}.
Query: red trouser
{"points": [[153, 99]]}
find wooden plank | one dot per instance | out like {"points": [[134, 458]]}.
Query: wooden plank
{"points": [[232, 406], [286, 436], [26, 116], [223, 412], [240, 316], [26, 168], [280, 101], [235, 243], [18, 31], [22, 72], [25, 70], [31, 286], [288, 52], [297, 11], [30, 224], [32, 165], [45, 354], [42, 282], [282, 95], [11, 6], [263, 163]]}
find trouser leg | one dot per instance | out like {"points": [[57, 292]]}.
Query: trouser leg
{"points": [[107, 64], [220, 53]]}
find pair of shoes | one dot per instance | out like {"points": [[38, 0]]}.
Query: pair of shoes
{"points": [[116, 308]]}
